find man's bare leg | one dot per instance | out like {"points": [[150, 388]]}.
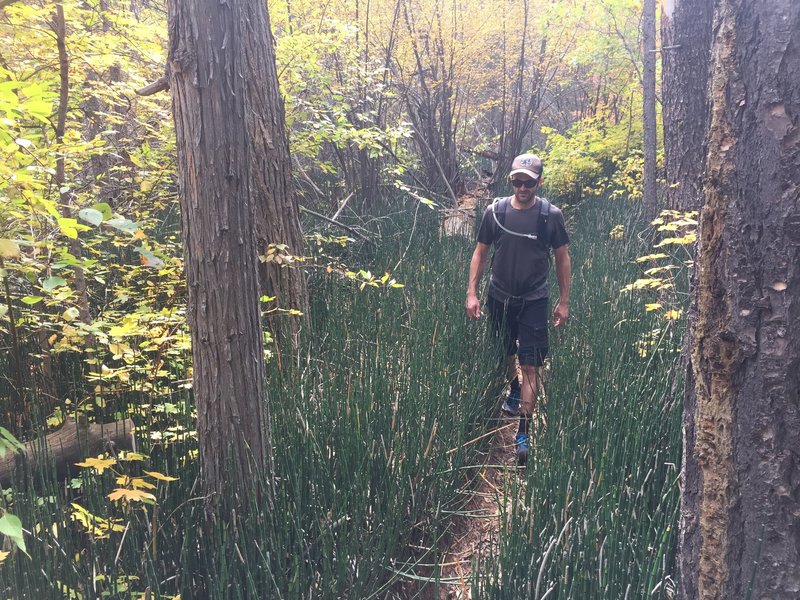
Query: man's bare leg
{"points": [[512, 400], [530, 388]]}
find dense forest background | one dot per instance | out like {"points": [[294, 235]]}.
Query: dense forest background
{"points": [[401, 118]]}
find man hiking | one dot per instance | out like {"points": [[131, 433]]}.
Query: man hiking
{"points": [[522, 228]]}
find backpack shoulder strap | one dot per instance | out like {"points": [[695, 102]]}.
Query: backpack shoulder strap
{"points": [[499, 206], [544, 215]]}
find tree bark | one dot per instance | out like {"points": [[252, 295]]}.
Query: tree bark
{"points": [[209, 64], [68, 445], [740, 534], [650, 194], [272, 189], [686, 47]]}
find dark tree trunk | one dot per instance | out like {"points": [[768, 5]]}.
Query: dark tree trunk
{"points": [[686, 43], [272, 189], [650, 195], [740, 533], [209, 65]]}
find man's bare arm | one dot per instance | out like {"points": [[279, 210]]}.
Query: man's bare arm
{"points": [[476, 268], [563, 274]]}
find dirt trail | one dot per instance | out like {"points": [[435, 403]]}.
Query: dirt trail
{"points": [[475, 534]]}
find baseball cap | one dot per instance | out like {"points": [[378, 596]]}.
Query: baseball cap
{"points": [[530, 164]]}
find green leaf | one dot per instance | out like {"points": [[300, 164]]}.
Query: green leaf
{"points": [[32, 299], [9, 442], [11, 527], [9, 249], [52, 283], [68, 228], [71, 314], [103, 209], [123, 224], [149, 259], [91, 215]]}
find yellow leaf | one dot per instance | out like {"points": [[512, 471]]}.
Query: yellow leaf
{"points": [[8, 249], [130, 495], [127, 328], [98, 464], [98, 527], [134, 482], [161, 476], [131, 456], [673, 314], [652, 307], [651, 257], [141, 484], [120, 349], [689, 238], [3, 556]]}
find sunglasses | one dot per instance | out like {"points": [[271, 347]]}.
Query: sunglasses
{"points": [[528, 183]]}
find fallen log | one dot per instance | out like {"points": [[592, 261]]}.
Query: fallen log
{"points": [[72, 443]]}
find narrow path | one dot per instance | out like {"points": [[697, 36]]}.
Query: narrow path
{"points": [[475, 533]]}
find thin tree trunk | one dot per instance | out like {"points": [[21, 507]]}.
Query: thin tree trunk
{"points": [[60, 29], [209, 65], [649, 105], [741, 493]]}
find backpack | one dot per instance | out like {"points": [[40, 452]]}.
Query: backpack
{"points": [[499, 207]]}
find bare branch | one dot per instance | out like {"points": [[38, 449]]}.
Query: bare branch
{"points": [[337, 223], [159, 85]]}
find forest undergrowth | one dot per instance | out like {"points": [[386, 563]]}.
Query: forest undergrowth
{"points": [[373, 432]]}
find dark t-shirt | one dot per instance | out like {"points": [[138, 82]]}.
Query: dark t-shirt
{"points": [[520, 265]]}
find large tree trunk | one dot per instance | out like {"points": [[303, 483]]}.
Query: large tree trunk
{"points": [[740, 532], [686, 43], [271, 175], [209, 66], [649, 105]]}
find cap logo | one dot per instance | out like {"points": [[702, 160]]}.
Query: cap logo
{"points": [[525, 162]]}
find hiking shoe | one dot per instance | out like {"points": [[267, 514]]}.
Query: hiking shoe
{"points": [[521, 443], [511, 403]]}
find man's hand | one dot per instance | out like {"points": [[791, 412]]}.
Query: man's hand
{"points": [[473, 307], [560, 314]]}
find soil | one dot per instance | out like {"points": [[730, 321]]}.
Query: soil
{"points": [[475, 534]]}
